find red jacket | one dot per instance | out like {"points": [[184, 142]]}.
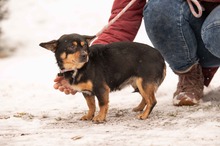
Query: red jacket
{"points": [[127, 26]]}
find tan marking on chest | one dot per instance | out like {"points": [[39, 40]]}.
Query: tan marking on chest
{"points": [[85, 86]]}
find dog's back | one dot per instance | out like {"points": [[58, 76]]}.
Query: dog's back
{"points": [[120, 62]]}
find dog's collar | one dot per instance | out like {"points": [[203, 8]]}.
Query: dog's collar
{"points": [[66, 70], [73, 75]]}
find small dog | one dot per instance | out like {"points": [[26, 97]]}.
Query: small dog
{"points": [[100, 69]]}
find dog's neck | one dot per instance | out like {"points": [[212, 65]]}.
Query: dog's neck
{"points": [[67, 70]]}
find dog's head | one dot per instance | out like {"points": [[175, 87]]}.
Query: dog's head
{"points": [[71, 50]]}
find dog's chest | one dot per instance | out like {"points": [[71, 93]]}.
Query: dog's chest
{"points": [[80, 82]]}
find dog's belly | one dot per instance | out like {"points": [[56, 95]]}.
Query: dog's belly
{"points": [[130, 81]]}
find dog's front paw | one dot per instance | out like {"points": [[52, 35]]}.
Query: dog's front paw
{"points": [[98, 119], [87, 117]]}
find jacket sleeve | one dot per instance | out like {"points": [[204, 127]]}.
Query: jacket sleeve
{"points": [[126, 27]]}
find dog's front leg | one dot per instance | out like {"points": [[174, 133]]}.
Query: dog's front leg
{"points": [[103, 98], [91, 104]]}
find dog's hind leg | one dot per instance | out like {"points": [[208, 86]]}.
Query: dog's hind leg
{"points": [[141, 106], [147, 91], [91, 104]]}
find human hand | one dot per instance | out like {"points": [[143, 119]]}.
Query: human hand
{"points": [[63, 85]]}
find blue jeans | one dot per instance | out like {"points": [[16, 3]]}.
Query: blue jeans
{"points": [[181, 38]]}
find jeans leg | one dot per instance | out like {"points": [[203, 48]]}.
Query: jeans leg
{"points": [[174, 31], [211, 37]]}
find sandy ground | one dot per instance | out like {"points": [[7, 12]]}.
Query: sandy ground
{"points": [[33, 113]]}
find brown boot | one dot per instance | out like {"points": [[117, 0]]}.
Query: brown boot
{"points": [[190, 87]]}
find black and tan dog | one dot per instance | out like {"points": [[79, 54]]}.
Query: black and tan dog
{"points": [[100, 69]]}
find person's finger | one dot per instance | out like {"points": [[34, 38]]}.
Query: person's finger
{"points": [[66, 91], [73, 92], [56, 85], [61, 88], [58, 78]]}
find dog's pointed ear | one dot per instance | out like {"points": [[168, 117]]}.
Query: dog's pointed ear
{"points": [[51, 45], [88, 38]]}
